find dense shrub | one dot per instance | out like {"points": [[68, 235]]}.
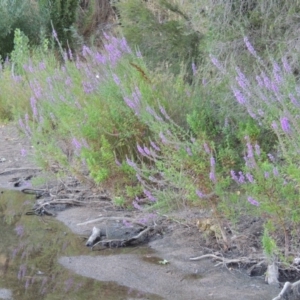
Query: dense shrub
{"points": [[23, 14], [129, 120], [161, 32], [63, 14]]}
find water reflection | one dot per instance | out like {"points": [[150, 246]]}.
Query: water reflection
{"points": [[29, 249]]}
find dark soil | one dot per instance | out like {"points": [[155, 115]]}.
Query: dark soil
{"points": [[166, 270]]}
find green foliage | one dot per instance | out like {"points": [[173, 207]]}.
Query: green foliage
{"points": [[101, 162], [63, 14], [269, 244], [20, 53], [262, 21], [23, 14], [119, 201], [162, 40]]}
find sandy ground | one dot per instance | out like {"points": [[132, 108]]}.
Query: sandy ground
{"points": [[180, 278]]}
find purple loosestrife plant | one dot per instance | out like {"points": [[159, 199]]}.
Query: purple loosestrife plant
{"points": [[271, 96], [253, 201], [267, 189], [285, 124]]}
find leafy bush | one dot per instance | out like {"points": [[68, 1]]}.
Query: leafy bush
{"points": [[162, 33], [262, 21], [226, 139], [23, 14], [63, 14]]}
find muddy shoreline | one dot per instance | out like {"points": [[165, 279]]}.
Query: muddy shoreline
{"points": [[179, 278]]}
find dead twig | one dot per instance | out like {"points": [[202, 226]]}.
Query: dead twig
{"points": [[226, 261], [19, 170], [112, 219]]}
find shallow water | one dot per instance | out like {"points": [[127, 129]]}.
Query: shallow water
{"points": [[29, 250]]}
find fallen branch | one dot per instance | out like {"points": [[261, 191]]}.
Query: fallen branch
{"points": [[124, 242], [226, 261], [290, 291], [33, 191], [63, 201], [112, 219], [19, 170]]}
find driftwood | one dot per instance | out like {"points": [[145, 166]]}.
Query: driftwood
{"points": [[95, 236], [272, 274], [112, 219], [19, 170], [122, 242], [227, 261], [290, 291]]}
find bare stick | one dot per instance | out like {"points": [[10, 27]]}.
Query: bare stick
{"points": [[207, 256], [19, 170], [111, 219]]}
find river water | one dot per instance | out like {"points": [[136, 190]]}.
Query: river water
{"points": [[29, 250]]}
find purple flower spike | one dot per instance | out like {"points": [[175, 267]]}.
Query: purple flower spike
{"points": [[206, 148], [212, 176], [250, 47], [33, 106], [285, 125], [215, 61], [241, 178], [259, 81], [271, 157], [257, 149], [150, 196], [130, 163], [154, 146], [194, 68], [147, 151], [241, 79], [212, 161], [294, 100], [163, 138], [136, 205], [277, 73], [286, 65], [127, 224], [27, 283], [267, 81], [139, 54], [275, 172], [19, 230], [100, 59], [253, 201], [189, 151], [141, 150], [249, 150], [200, 194], [116, 79], [163, 111], [233, 176], [239, 96], [250, 178]]}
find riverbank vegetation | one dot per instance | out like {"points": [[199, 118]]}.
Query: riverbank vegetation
{"points": [[170, 103]]}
